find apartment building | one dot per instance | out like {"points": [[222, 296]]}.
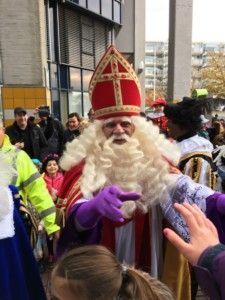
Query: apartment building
{"points": [[156, 63]]}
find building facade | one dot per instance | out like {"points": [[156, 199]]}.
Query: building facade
{"points": [[156, 64], [50, 48]]}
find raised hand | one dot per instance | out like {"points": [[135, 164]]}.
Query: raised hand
{"points": [[203, 233]]}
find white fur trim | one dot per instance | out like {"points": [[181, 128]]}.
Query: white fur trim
{"points": [[6, 213]]}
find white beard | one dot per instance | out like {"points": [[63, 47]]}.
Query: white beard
{"points": [[128, 167], [140, 164]]}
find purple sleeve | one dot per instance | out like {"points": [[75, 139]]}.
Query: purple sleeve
{"points": [[215, 216], [210, 272], [219, 272], [71, 237]]}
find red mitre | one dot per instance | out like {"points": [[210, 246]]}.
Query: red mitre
{"points": [[114, 87], [159, 101]]}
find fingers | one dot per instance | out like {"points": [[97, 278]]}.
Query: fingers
{"points": [[187, 215], [197, 213], [114, 214], [114, 189], [211, 226], [129, 196], [123, 196], [113, 200], [174, 238], [196, 220]]}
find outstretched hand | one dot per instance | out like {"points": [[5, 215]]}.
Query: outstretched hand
{"points": [[110, 200], [106, 203], [203, 233]]}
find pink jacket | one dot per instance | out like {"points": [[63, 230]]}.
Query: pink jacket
{"points": [[53, 182]]}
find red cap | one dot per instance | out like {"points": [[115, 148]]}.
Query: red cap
{"points": [[159, 101], [114, 87]]}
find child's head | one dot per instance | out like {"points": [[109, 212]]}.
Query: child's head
{"points": [[50, 164], [94, 273]]}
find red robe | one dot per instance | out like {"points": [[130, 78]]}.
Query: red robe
{"points": [[70, 192]]}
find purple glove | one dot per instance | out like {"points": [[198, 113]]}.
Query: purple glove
{"points": [[106, 203]]}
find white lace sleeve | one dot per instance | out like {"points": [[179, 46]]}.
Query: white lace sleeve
{"points": [[184, 190]]}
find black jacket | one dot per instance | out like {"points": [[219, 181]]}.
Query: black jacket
{"points": [[33, 138], [69, 135]]}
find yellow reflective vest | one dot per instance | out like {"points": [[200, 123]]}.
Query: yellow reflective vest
{"points": [[30, 184]]}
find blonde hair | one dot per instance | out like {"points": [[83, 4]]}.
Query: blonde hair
{"points": [[94, 273]]}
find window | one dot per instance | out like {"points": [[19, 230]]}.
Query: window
{"points": [[83, 39], [55, 103], [54, 76], [116, 11], [107, 8], [94, 5], [87, 103], [75, 102], [149, 59], [149, 82], [64, 77], [63, 106], [82, 3], [75, 79], [149, 71], [51, 35], [86, 79]]}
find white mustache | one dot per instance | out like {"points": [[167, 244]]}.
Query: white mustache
{"points": [[122, 136]]}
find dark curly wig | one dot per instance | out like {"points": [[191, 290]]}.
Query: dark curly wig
{"points": [[185, 114], [48, 158]]}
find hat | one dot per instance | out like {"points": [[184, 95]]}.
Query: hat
{"points": [[19, 110], [204, 120], [36, 161], [186, 113], [159, 101], [114, 87]]}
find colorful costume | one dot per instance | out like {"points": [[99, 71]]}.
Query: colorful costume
{"points": [[184, 121], [94, 188], [158, 117], [196, 160], [19, 278]]}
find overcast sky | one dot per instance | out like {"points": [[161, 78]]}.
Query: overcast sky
{"points": [[208, 20]]}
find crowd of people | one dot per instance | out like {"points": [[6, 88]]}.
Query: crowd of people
{"points": [[123, 206]]}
